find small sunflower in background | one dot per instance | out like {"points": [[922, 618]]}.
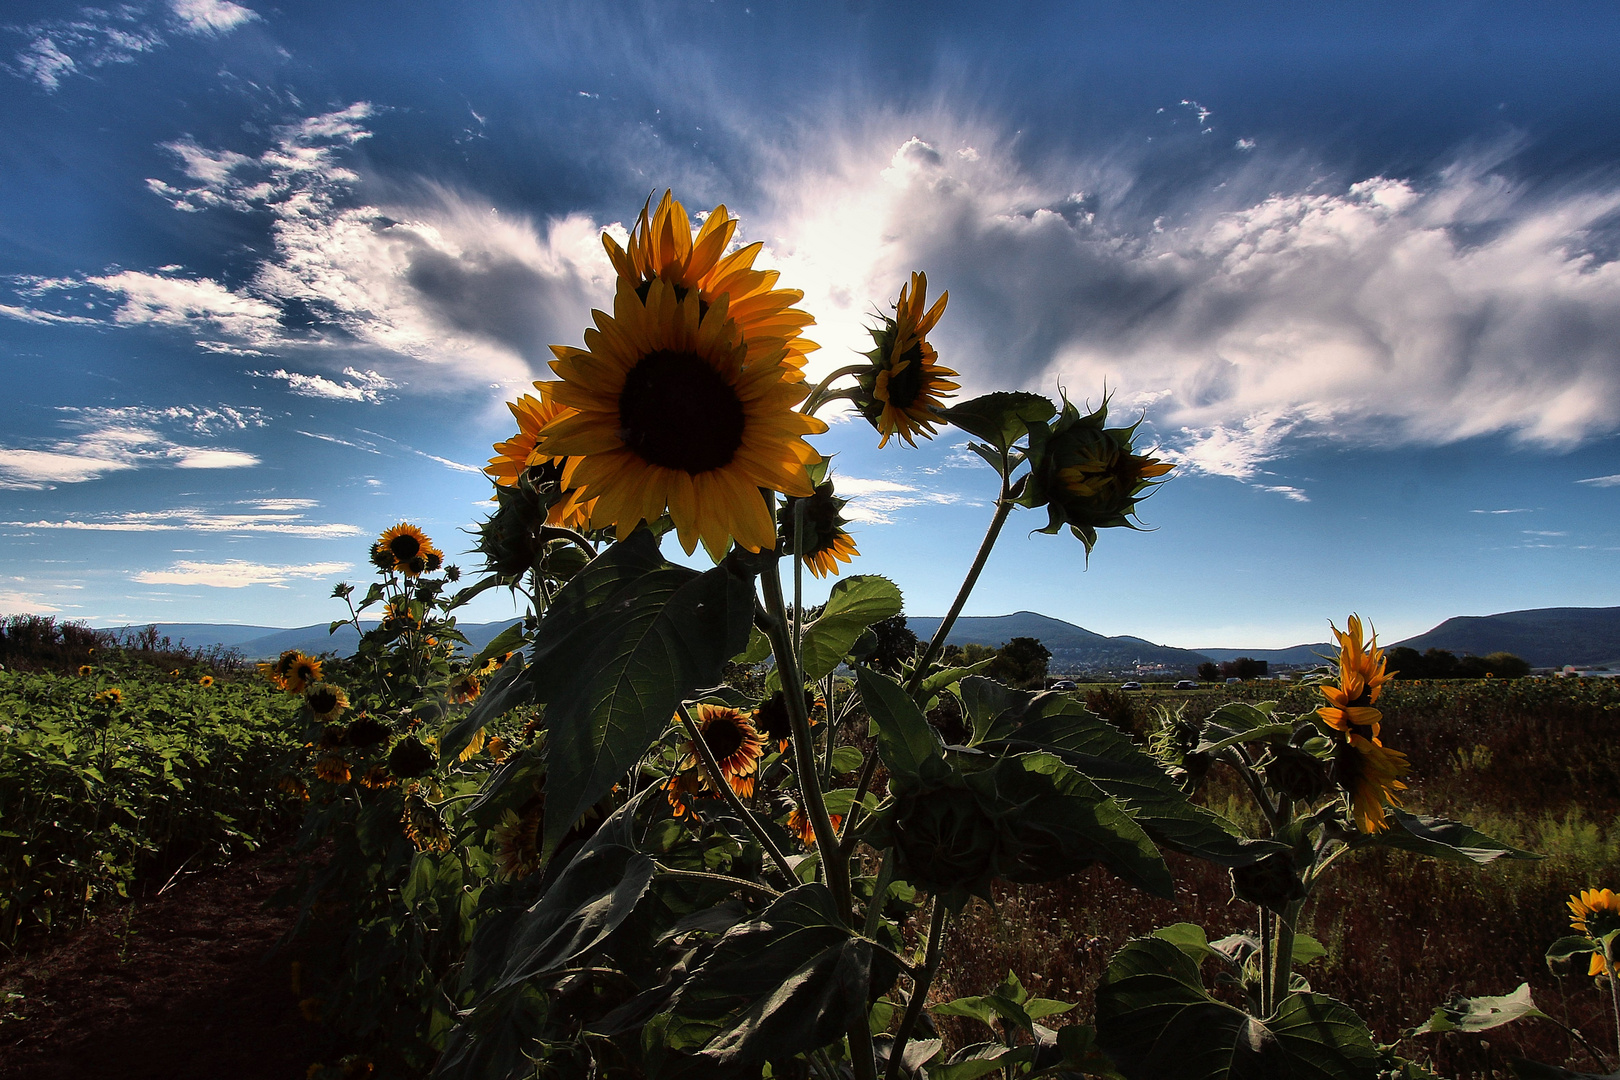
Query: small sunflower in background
{"points": [[303, 672], [465, 689], [333, 768], [381, 557], [110, 698], [397, 613], [825, 542], [771, 720], [278, 670], [85, 671], [799, 824], [903, 389], [499, 749], [736, 747], [662, 247], [326, 701], [206, 681], [175, 674], [1367, 770], [1596, 913], [677, 411], [412, 551]]}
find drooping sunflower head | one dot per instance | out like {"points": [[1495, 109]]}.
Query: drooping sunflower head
{"points": [[326, 701], [304, 672], [424, 825], [1087, 474], [772, 722], [903, 389], [799, 824], [662, 247], [736, 746], [333, 768], [676, 411], [825, 542], [206, 681], [367, 731], [1369, 774], [381, 557]]}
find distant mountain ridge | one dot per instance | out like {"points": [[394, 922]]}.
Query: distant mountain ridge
{"points": [[1546, 637]]}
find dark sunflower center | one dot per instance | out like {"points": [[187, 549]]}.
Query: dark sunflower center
{"points": [[323, 701], [724, 736], [678, 412], [404, 547], [908, 383]]}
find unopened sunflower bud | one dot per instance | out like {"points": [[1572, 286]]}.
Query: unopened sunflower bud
{"points": [[1088, 476], [1272, 882], [1297, 774]]}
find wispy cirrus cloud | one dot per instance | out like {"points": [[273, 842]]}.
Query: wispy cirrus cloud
{"points": [[92, 38], [367, 386], [111, 440], [874, 501], [1602, 481], [195, 519], [237, 573]]}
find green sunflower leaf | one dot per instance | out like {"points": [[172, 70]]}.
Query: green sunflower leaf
{"points": [[1003, 418], [1157, 1021], [1482, 1013], [854, 604], [1238, 722], [1441, 838], [905, 738], [624, 642], [507, 689], [791, 980]]}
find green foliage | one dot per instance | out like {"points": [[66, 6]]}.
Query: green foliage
{"points": [[92, 798]]}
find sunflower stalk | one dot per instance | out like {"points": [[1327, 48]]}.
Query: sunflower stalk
{"points": [[718, 779], [820, 395], [921, 981]]}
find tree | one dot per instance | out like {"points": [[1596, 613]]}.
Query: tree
{"points": [[1021, 663], [1244, 667], [1209, 671], [895, 644]]}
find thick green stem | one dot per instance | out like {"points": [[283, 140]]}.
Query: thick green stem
{"points": [[819, 395], [712, 767], [804, 750], [1283, 959], [1268, 929], [880, 892], [919, 990]]}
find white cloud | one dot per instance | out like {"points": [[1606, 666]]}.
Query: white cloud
{"points": [[14, 602], [359, 386], [1286, 491], [210, 16], [112, 440], [1274, 306], [873, 501], [1601, 481], [236, 573], [194, 519], [97, 37], [1520, 510]]}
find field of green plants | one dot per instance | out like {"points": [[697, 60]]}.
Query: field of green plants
{"points": [[679, 823], [119, 770]]}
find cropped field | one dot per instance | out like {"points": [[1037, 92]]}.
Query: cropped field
{"points": [[1531, 762]]}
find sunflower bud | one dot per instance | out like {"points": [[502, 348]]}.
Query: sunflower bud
{"points": [[410, 758], [945, 841], [1271, 882], [366, 731], [1297, 774], [1087, 476], [902, 391]]}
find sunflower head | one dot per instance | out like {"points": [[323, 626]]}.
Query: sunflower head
{"points": [[499, 749], [825, 542], [517, 839], [676, 411], [409, 547], [905, 385], [411, 758], [1088, 475], [662, 247], [326, 701], [366, 731], [206, 681], [85, 671], [284, 663], [736, 746], [1369, 775], [799, 824], [772, 722], [110, 698], [1361, 679], [465, 689], [381, 557], [424, 825], [304, 672], [332, 768], [1595, 912]]}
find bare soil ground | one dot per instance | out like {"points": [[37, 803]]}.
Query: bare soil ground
{"points": [[185, 985]]}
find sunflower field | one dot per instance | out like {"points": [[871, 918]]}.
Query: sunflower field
{"points": [[122, 770], [677, 823]]}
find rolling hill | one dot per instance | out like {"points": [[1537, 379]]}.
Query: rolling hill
{"points": [[1074, 648], [1546, 637]]}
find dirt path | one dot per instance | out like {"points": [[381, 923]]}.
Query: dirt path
{"points": [[179, 987]]}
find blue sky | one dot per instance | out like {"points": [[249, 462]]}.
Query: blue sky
{"points": [[269, 273]]}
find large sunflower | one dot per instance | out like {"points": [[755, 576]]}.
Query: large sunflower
{"points": [[736, 746], [663, 247], [413, 552], [903, 389], [518, 454], [676, 410]]}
